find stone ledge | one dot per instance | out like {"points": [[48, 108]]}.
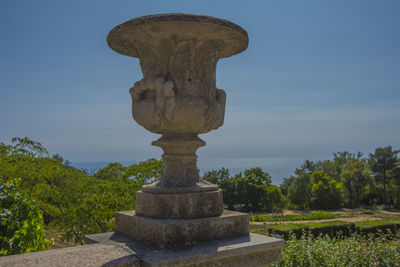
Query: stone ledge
{"points": [[87, 255], [111, 249], [169, 232], [249, 250]]}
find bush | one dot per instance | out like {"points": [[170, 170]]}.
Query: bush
{"points": [[355, 250], [21, 222]]}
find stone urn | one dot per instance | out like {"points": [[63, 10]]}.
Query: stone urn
{"points": [[178, 99]]}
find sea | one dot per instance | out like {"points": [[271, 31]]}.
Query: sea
{"points": [[277, 171]]}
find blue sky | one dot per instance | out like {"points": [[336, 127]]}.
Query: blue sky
{"points": [[318, 77]]}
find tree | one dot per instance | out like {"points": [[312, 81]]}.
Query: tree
{"points": [[383, 163], [325, 192], [286, 183], [275, 199], [299, 193], [112, 171], [218, 177], [397, 182], [145, 171], [242, 192], [222, 178], [251, 189], [355, 176], [261, 176], [307, 167]]}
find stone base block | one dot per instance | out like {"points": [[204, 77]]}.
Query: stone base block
{"points": [[249, 250], [179, 205], [169, 233]]}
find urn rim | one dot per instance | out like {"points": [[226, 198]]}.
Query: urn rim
{"points": [[123, 37]]}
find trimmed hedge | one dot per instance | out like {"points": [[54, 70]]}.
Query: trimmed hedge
{"points": [[329, 228], [376, 226], [317, 215]]}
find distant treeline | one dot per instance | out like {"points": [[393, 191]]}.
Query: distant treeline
{"points": [[39, 190], [348, 180]]}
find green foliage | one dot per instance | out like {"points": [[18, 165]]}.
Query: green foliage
{"points": [[21, 221], [299, 193], [316, 228], [91, 207], [286, 183], [355, 250], [222, 178], [356, 176], [384, 163], [376, 227], [249, 192], [275, 199], [375, 223], [331, 228], [145, 171], [325, 191], [346, 180], [71, 200], [77, 203], [258, 175], [317, 215]]}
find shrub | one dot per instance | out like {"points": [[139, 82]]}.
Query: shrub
{"points": [[21, 222], [355, 250]]}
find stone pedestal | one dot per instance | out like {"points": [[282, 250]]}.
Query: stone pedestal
{"points": [[175, 232], [179, 205]]}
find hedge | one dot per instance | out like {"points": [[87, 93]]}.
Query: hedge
{"points": [[330, 228], [317, 215]]}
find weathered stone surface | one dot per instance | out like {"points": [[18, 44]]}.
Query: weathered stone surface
{"points": [[179, 205], [111, 249], [123, 38], [249, 250], [169, 233], [200, 186], [87, 255]]}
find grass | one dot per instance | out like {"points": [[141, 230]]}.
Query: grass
{"points": [[317, 215]]}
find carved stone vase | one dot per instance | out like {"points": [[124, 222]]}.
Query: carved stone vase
{"points": [[178, 99]]}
